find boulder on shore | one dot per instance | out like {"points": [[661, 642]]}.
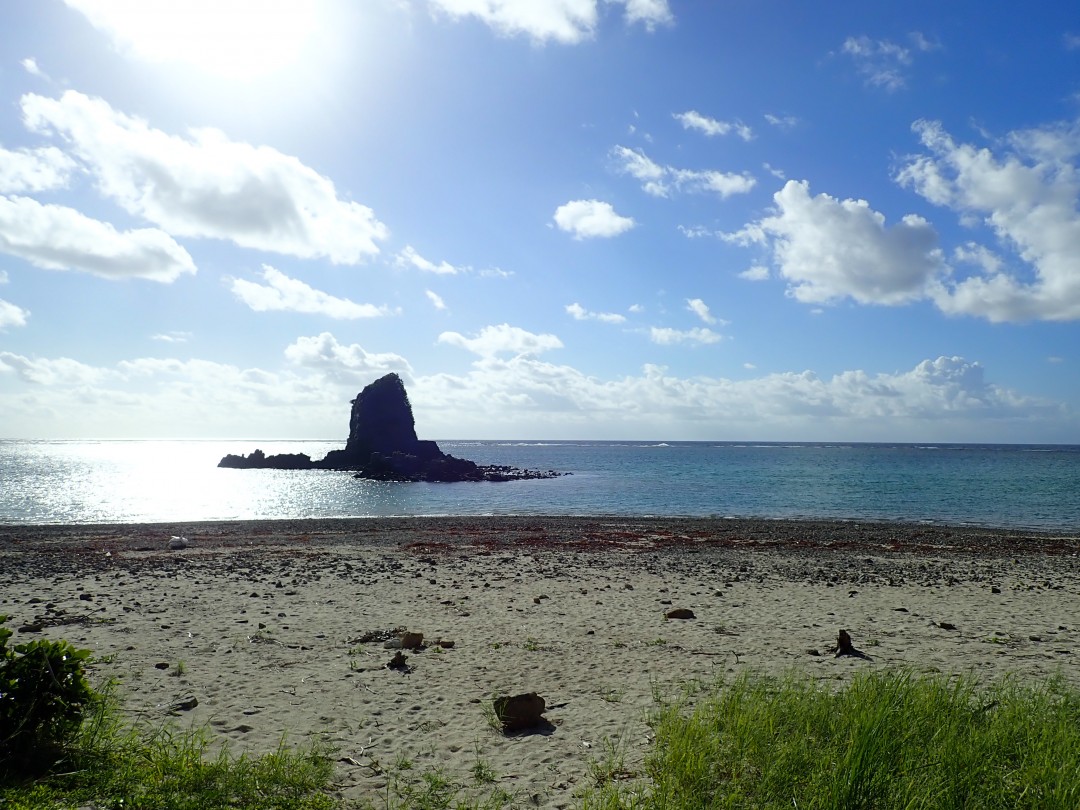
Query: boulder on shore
{"points": [[383, 446]]}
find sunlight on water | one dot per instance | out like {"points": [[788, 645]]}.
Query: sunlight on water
{"points": [[179, 482]]}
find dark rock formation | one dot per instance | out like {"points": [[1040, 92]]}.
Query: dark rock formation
{"points": [[383, 446], [259, 460]]}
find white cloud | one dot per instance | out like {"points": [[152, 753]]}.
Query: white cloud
{"points": [[692, 119], [208, 186], [943, 399], [34, 170], [946, 399], [1029, 198], [757, 272], [829, 249], [11, 315], [564, 21], [782, 121], [503, 339], [587, 219], [30, 65], [661, 181], [579, 313], [410, 258], [883, 63], [670, 337], [435, 299], [344, 363], [172, 337], [701, 309], [58, 238], [61, 371], [284, 294]]}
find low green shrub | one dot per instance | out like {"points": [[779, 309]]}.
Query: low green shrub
{"points": [[44, 695]]}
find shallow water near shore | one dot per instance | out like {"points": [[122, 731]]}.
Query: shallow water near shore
{"points": [[1011, 486]]}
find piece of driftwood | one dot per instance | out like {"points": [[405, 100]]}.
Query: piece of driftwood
{"points": [[845, 647]]}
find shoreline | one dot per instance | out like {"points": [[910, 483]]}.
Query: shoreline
{"points": [[262, 621]]}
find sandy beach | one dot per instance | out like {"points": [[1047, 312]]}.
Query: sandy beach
{"points": [[265, 624]]}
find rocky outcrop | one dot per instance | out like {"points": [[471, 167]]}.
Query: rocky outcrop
{"points": [[383, 446]]}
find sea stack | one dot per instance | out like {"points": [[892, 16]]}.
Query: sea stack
{"points": [[383, 446]]}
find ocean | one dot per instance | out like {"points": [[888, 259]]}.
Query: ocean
{"points": [[178, 482]]}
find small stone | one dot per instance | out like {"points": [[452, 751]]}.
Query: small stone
{"points": [[520, 712], [398, 662], [161, 665], [412, 641], [86, 597], [946, 625], [995, 589], [680, 613], [184, 704]]}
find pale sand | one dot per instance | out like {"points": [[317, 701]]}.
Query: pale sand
{"points": [[572, 609]]}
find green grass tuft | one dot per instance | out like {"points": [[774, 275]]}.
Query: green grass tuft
{"points": [[887, 740], [110, 765]]}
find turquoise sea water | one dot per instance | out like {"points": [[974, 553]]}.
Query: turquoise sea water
{"points": [[1022, 486]]}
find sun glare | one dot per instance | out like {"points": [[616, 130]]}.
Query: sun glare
{"points": [[234, 39]]}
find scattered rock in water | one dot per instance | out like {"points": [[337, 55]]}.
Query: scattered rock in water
{"points": [[520, 712], [680, 613]]}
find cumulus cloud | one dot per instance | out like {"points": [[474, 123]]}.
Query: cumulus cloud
{"points": [[665, 336], [662, 181], [344, 363], [206, 185], [1029, 198], [587, 219], [701, 309], [11, 315], [33, 170], [883, 63], [756, 272], [55, 237], [502, 339], [410, 258], [284, 294], [829, 249], [942, 399], [60, 371], [579, 313], [563, 21], [435, 299], [692, 119]]}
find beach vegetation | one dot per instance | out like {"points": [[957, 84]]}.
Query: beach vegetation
{"points": [[44, 695], [884, 740], [111, 764], [433, 789]]}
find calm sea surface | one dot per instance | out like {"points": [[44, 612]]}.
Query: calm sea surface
{"points": [[1023, 486]]}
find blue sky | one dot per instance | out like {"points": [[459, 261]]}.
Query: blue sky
{"points": [[554, 218]]}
